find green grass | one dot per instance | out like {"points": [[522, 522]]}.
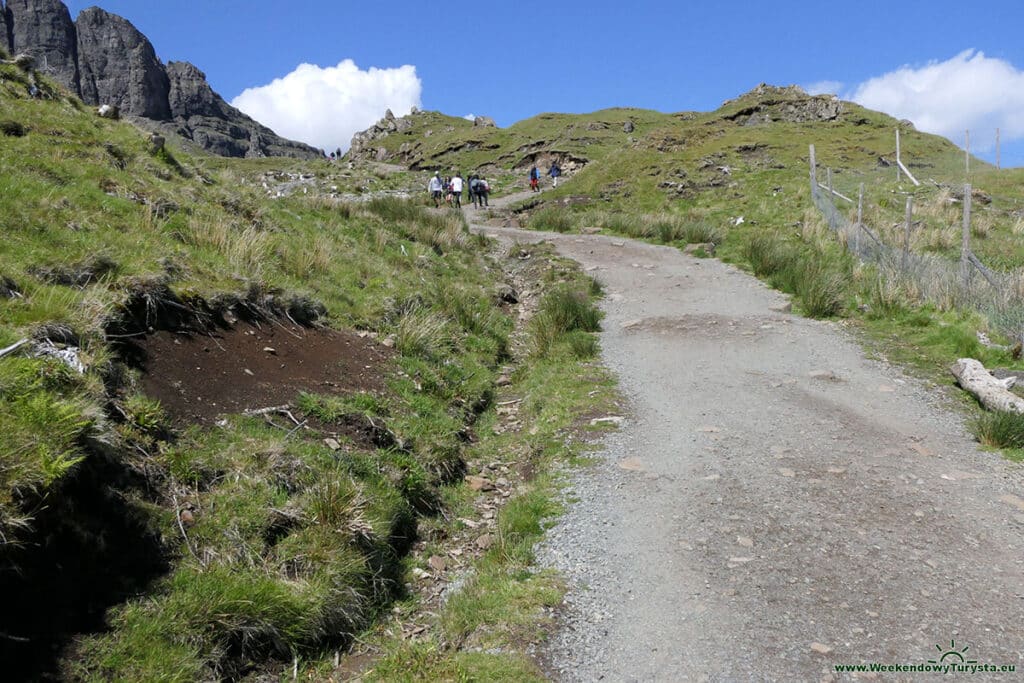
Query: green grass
{"points": [[289, 548], [1001, 430]]}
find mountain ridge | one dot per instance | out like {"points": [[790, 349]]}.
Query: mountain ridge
{"points": [[103, 59]]}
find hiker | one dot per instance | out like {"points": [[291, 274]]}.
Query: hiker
{"points": [[457, 189], [448, 190], [554, 172], [535, 179], [434, 187], [473, 197], [482, 190]]}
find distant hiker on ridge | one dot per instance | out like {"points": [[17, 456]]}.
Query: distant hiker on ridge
{"points": [[535, 179], [554, 172], [435, 188]]}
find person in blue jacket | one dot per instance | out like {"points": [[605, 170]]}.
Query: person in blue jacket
{"points": [[554, 172]]}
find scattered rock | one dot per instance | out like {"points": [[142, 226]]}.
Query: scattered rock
{"points": [[628, 127], [708, 248], [269, 349], [332, 444], [484, 122], [821, 648], [485, 542], [614, 420], [782, 308], [826, 375], [1013, 500], [745, 541], [437, 564], [477, 483]]}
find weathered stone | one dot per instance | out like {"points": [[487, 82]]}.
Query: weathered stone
{"points": [[108, 111], [479, 483], [119, 66], [5, 34], [437, 564], [485, 542], [202, 116], [628, 127], [484, 122], [44, 29]]}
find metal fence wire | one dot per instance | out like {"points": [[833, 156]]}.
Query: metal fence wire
{"points": [[967, 284]]}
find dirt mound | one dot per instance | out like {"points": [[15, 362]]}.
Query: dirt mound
{"points": [[198, 377]]}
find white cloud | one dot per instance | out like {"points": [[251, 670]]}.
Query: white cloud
{"points": [[326, 106], [824, 88], [968, 92], [470, 117]]}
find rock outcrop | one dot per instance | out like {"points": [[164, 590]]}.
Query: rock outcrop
{"points": [[201, 115], [105, 60], [5, 34], [119, 67], [43, 29]]}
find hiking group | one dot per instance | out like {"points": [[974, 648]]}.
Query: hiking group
{"points": [[449, 190], [555, 171]]}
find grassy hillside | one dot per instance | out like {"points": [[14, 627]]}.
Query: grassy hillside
{"points": [[255, 538]]}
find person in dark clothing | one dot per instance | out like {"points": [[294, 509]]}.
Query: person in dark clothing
{"points": [[482, 190], [554, 172], [535, 179]]}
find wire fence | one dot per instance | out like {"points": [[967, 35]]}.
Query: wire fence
{"points": [[903, 272]]}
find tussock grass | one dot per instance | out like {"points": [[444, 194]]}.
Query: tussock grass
{"points": [[566, 315], [552, 219], [819, 279], [1000, 430]]}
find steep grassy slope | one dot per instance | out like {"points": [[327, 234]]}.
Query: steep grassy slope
{"points": [[249, 540]]}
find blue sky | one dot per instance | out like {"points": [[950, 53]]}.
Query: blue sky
{"points": [[513, 60]]}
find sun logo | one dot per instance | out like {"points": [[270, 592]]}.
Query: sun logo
{"points": [[954, 655]]}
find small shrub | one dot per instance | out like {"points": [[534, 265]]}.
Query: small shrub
{"points": [[1000, 430], [552, 219], [821, 291], [12, 129]]}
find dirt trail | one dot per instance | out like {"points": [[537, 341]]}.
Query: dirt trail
{"points": [[775, 504]]}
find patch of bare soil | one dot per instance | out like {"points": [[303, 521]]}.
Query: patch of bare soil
{"points": [[199, 377]]}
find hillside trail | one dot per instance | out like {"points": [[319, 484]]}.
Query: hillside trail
{"points": [[775, 503]]}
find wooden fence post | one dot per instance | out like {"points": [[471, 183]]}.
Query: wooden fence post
{"points": [[814, 173], [860, 220], [906, 233], [965, 243], [897, 155], [967, 151]]}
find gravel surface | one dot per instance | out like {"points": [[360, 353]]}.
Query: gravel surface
{"points": [[775, 504]]}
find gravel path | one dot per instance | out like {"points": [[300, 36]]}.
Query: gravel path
{"points": [[775, 504]]}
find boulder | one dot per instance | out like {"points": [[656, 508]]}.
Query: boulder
{"points": [[118, 66], [43, 28], [108, 111], [484, 122], [628, 127]]}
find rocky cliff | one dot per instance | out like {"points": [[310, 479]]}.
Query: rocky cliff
{"points": [[104, 59], [119, 66]]}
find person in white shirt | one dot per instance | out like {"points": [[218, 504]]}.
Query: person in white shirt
{"points": [[435, 187], [457, 190]]}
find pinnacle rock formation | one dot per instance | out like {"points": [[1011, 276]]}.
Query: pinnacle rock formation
{"points": [[105, 60], [43, 29], [118, 66]]}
